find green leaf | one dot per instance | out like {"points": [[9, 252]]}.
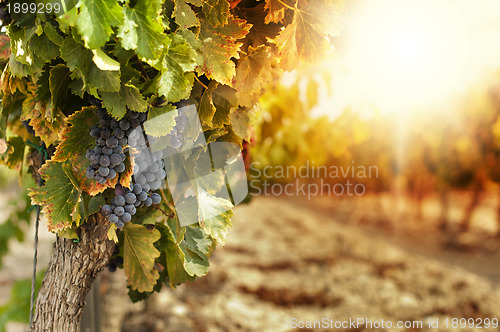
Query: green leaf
{"points": [[206, 109], [59, 195], [184, 15], [161, 120], [59, 79], [218, 46], [217, 226], [142, 30], [44, 47], [197, 248], [128, 97], [216, 11], [139, 255], [178, 62], [304, 39], [104, 62], [79, 61], [14, 155], [96, 19], [75, 138], [52, 34]]}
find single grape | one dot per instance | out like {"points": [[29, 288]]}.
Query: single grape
{"points": [[156, 198], [98, 149], [130, 208], [146, 187], [134, 123], [118, 133], [120, 224], [120, 167], [90, 173], [105, 133], [119, 200], [150, 177], [153, 168], [137, 188], [155, 185], [142, 117], [160, 175], [94, 158], [103, 171], [130, 198], [124, 124], [95, 165], [143, 165], [113, 124], [95, 132], [113, 218], [126, 217], [112, 142], [101, 141], [112, 174], [104, 160], [140, 179], [137, 203], [142, 196], [148, 201], [123, 141], [115, 159], [118, 149], [106, 210], [119, 211], [107, 151], [133, 115]]}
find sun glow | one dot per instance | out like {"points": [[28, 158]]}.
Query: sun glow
{"points": [[406, 54]]}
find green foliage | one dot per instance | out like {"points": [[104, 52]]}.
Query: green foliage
{"points": [[17, 308], [144, 55]]}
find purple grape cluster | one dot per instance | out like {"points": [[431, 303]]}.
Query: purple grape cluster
{"points": [[113, 137]]}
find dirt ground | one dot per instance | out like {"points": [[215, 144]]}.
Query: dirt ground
{"points": [[289, 259]]}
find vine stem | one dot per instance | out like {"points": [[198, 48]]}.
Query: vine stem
{"points": [[196, 77], [287, 5]]}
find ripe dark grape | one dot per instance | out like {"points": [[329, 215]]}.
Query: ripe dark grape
{"points": [[124, 124], [120, 167], [156, 198], [95, 131], [146, 187], [140, 179], [118, 133], [105, 133], [148, 201], [112, 142], [103, 171], [106, 210], [137, 189], [112, 174], [104, 160], [126, 217], [130, 198], [98, 149], [119, 211], [120, 224], [90, 172], [142, 196], [130, 208], [120, 200], [115, 159], [107, 151]]}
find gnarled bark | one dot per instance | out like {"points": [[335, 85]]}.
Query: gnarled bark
{"points": [[72, 270]]}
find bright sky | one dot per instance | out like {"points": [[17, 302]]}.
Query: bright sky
{"points": [[403, 55]]}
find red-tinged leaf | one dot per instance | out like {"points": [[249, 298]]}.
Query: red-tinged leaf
{"points": [[219, 45], [276, 10], [75, 138], [126, 175], [4, 47], [304, 39], [139, 256], [216, 11], [58, 196], [90, 186]]}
